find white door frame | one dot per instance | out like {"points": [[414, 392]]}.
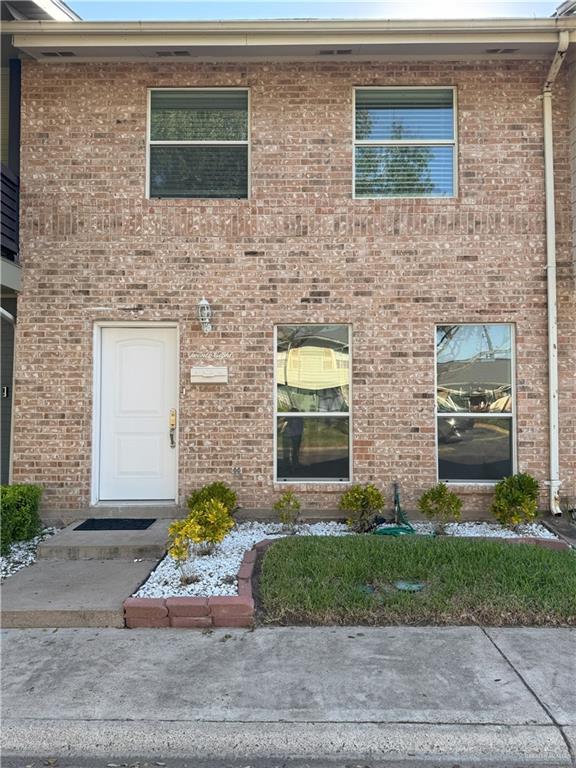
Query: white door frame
{"points": [[96, 398]]}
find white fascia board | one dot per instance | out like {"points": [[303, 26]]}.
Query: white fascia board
{"points": [[47, 40], [303, 25], [111, 36], [57, 11]]}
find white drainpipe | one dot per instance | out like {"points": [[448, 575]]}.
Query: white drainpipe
{"points": [[554, 481]]}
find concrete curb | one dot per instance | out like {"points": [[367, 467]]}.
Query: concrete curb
{"points": [[488, 745]]}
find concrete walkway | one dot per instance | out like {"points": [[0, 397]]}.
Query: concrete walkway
{"points": [[71, 593], [386, 696], [81, 578]]}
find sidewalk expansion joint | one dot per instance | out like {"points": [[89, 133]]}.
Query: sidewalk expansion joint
{"points": [[531, 690]]}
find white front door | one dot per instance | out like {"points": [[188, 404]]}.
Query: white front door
{"points": [[138, 401]]}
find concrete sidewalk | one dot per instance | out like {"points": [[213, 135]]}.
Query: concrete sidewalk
{"points": [[385, 696]]}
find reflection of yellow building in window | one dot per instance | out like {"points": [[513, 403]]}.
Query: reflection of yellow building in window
{"points": [[312, 368]]}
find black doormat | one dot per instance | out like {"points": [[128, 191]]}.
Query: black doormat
{"points": [[115, 524]]}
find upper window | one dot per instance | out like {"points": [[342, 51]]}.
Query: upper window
{"points": [[198, 143], [404, 142], [313, 402], [474, 402]]}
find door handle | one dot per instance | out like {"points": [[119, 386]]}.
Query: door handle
{"points": [[172, 426]]}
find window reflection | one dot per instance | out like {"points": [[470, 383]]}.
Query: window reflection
{"points": [[474, 369], [312, 368], [474, 449], [312, 378], [474, 402], [312, 448]]}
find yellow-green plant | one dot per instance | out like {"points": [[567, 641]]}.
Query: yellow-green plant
{"points": [[218, 491], [179, 546], [363, 503], [516, 500], [288, 508], [204, 528], [440, 504]]}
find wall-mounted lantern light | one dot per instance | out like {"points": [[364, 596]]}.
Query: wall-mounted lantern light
{"points": [[205, 314]]}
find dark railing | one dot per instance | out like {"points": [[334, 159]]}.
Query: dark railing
{"points": [[9, 194]]}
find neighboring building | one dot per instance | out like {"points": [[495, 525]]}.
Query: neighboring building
{"points": [[361, 215], [10, 186]]}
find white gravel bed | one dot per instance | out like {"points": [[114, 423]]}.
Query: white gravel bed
{"points": [[495, 531], [217, 572], [22, 554], [489, 530]]}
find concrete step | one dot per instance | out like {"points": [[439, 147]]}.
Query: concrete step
{"points": [[71, 593], [70, 544], [62, 518]]}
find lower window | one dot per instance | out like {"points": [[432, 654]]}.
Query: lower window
{"points": [[477, 450], [474, 402], [313, 448], [312, 403]]}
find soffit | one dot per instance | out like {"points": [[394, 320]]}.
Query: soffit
{"points": [[331, 40]]}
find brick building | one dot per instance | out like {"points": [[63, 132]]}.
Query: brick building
{"points": [[358, 210]]}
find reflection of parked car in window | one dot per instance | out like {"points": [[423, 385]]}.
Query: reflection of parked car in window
{"points": [[474, 398]]}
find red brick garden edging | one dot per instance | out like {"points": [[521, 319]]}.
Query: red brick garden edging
{"points": [[237, 611], [199, 612]]}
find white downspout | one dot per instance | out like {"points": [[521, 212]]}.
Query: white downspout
{"points": [[554, 481]]}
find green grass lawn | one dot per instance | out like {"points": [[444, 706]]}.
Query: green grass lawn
{"points": [[350, 580]]}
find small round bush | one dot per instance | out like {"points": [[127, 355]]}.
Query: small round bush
{"points": [[363, 504], [516, 500], [218, 491], [440, 504], [288, 508]]}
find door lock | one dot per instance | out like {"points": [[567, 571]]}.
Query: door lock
{"points": [[172, 425]]}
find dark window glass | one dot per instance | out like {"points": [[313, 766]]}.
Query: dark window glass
{"points": [[199, 116], [390, 114], [312, 448], [312, 368], [404, 171], [188, 154], [474, 449], [199, 171], [474, 368]]}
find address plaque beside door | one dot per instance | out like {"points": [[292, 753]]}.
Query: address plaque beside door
{"points": [[209, 374]]}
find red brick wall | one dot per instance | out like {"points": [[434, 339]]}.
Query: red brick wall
{"points": [[300, 250]]}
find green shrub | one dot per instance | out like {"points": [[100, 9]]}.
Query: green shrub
{"points": [[363, 504], [440, 504], [20, 519], [516, 500], [288, 508], [214, 492], [206, 525]]}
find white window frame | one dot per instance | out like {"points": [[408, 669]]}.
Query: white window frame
{"points": [[197, 142], [466, 414], [316, 414], [407, 142]]}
